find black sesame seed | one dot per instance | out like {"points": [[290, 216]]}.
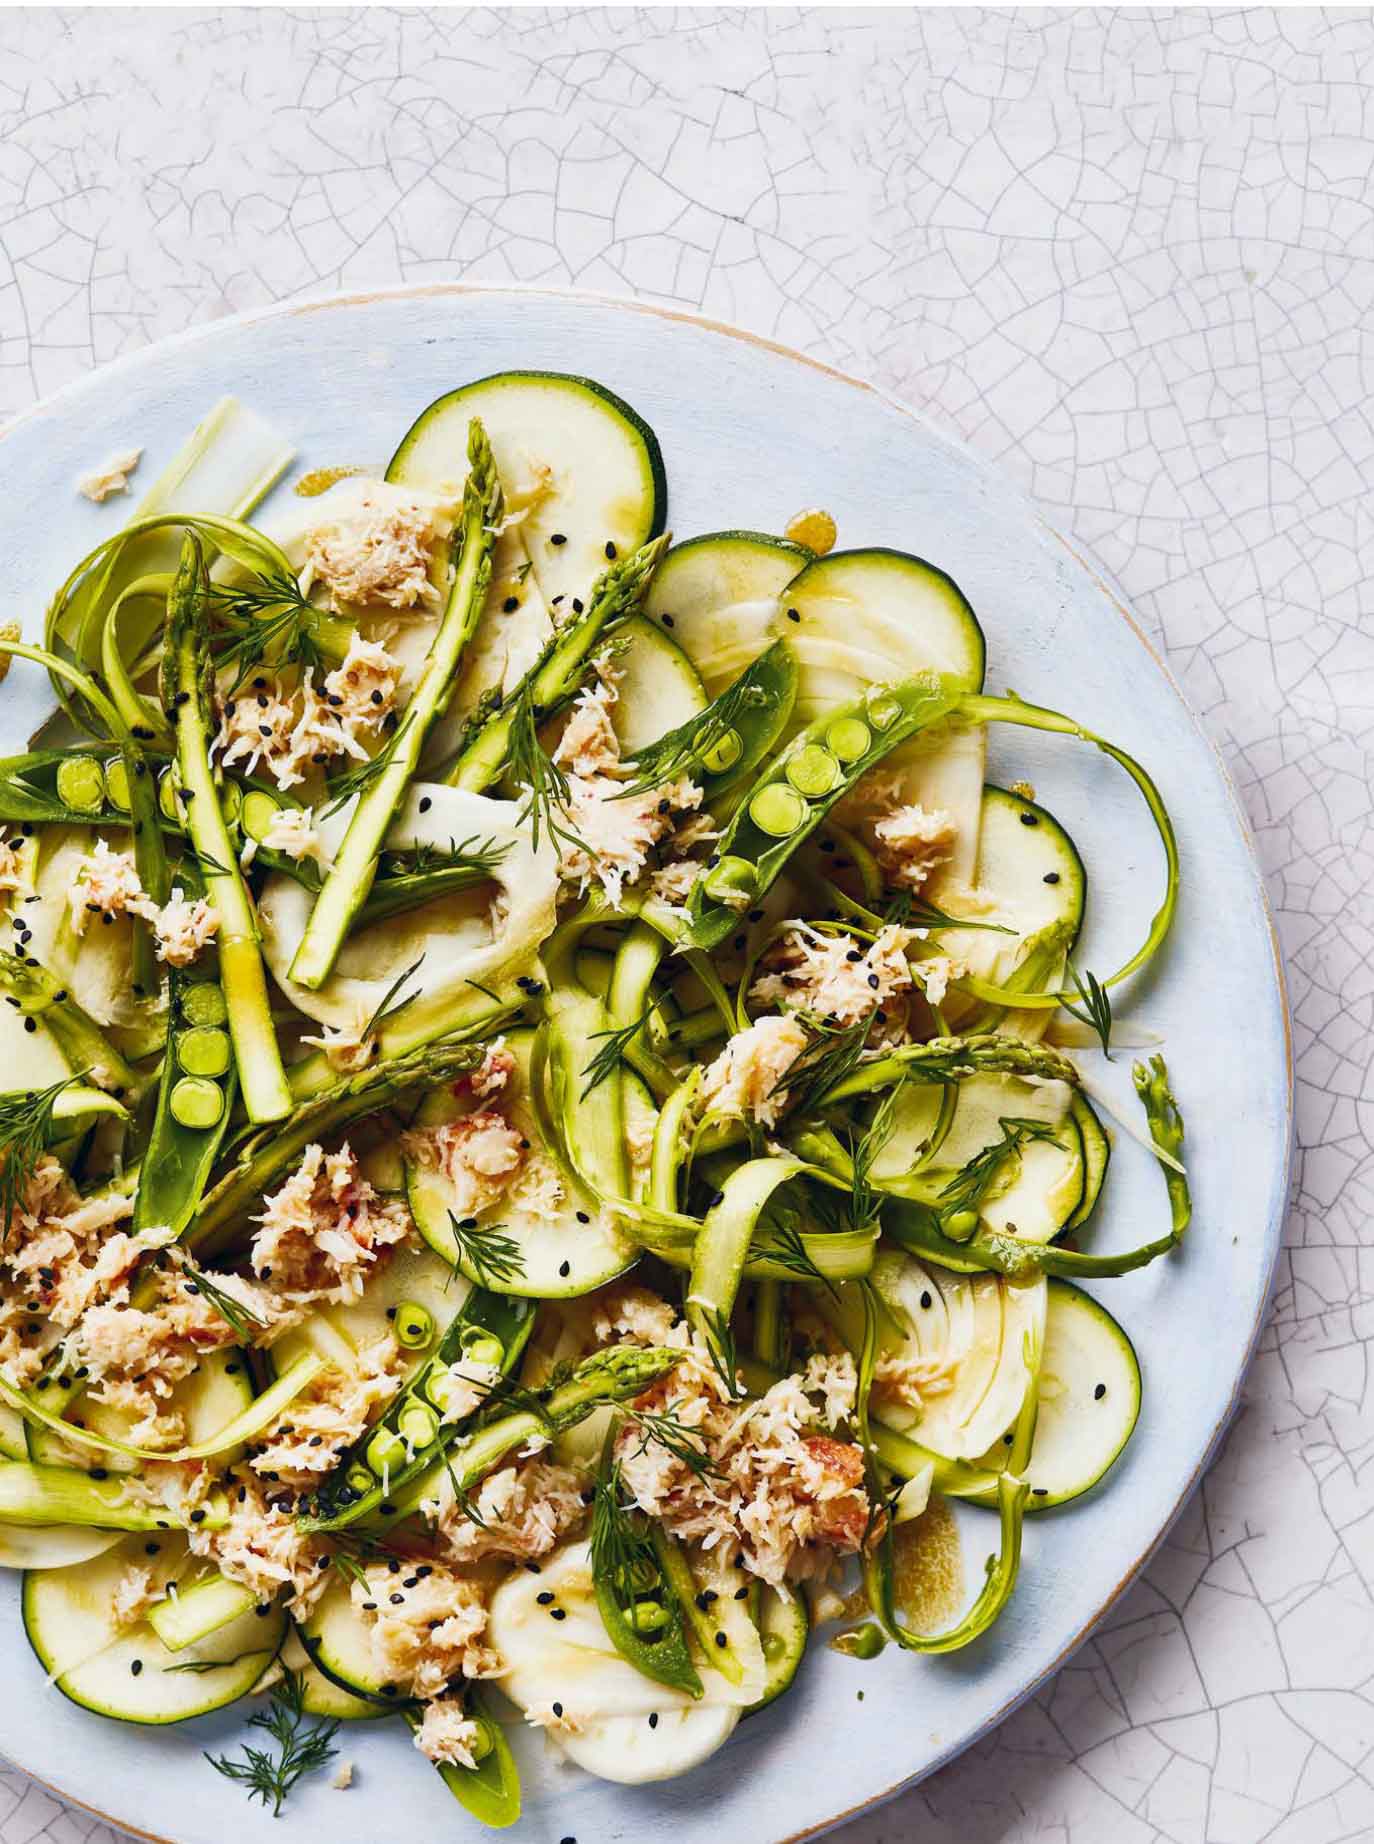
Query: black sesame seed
{"points": [[667, 620], [873, 981], [369, 1607], [1050, 877], [792, 615], [1040, 1491], [610, 550], [425, 803], [31, 1024], [396, 1599], [136, 1667], [545, 1597], [411, 1581], [653, 1719], [582, 1217], [577, 606], [722, 1641], [511, 603], [558, 538], [151, 1549], [1099, 1392], [564, 1269], [1030, 819], [925, 1300], [558, 1709], [558, 1613], [197, 1517]]}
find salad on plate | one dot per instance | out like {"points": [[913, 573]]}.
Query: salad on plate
{"points": [[551, 1136]]}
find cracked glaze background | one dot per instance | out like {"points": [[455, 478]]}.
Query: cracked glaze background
{"points": [[1130, 256]]}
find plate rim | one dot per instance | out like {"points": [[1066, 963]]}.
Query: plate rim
{"points": [[1106, 585]]}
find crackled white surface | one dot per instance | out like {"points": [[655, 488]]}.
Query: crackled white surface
{"points": [[1127, 255]]}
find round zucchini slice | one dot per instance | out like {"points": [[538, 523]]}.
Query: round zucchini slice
{"points": [[338, 1642], [129, 1674], [321, 1696], [658, 686], [717, 596], [1089, 1399], [1030, 868], [1097, 1153], [606, 492], [784, 1628], [562, 1251], [219, 1388], [53, 1546]]}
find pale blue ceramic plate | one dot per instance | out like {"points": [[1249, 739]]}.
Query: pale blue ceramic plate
{"points": [[752, 434]]}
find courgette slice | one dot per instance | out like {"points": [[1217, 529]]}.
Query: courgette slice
{"points": [[717, 596], [1036, 1189], [607, 493], [560, 1253], [658, 686], [1089, 1399], [1097, 1153], [338, 1642], [320, 1696], [1029, 869], [129, 1674], [784, 1629], [53, 1546]]}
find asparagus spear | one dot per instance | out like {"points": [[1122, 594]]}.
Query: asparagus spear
{"points": [[350, 879], [186, 677], [557, 673], [263, 1160]]}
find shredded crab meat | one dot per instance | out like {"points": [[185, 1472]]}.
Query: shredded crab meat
{"points": [[629, 1312], [382, 551], [134, 1593], [910, 1380], [293, 832], [349, 1047], [183, 927], [263, 1548], [447, 1735], [747, 1078], [110, 477], [427, 1627], [323, 1232], [314, 1430], [479, 1154], [782, 1494], [106, 884], [612, 832], [491, 1076], [285, 730], [911, 843], [831, 976], [58, 1257], [524, 1509], [12, 876]]}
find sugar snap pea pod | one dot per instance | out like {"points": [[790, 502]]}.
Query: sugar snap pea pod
{"points": [[489, 1329], [612, 1375], [723, 1246], [195, 1096], [491, 1789], [351, 875], [263, 1159], [187, 676], [984, 709], [724, 743], [555, 676], [637, 1593], [63, 787], [799, 788], [41, 996]]}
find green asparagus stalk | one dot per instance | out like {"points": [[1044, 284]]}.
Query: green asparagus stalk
{"points": [[950, 1059], [186, 679], [350, 878], [556, 674], [45, 1495], [265, 1157]]}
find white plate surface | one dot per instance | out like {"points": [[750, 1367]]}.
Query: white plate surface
{"points": [[751, 434]]}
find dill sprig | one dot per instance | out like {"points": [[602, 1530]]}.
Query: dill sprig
{"points": [[622, 1553], [1095, 1008], [832, 1054], [614, 1044], [267, 619], [300, 1746], [864, 1150], [720, 1348], [199, 1666], [25, 1134], [389, 1006], [909, 910], [787, 1249], [358, 779], [685, 749], [544, 783], [664, 1428], [493, 1256], [476, 854], [240, 1318], [967, 1189]]}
